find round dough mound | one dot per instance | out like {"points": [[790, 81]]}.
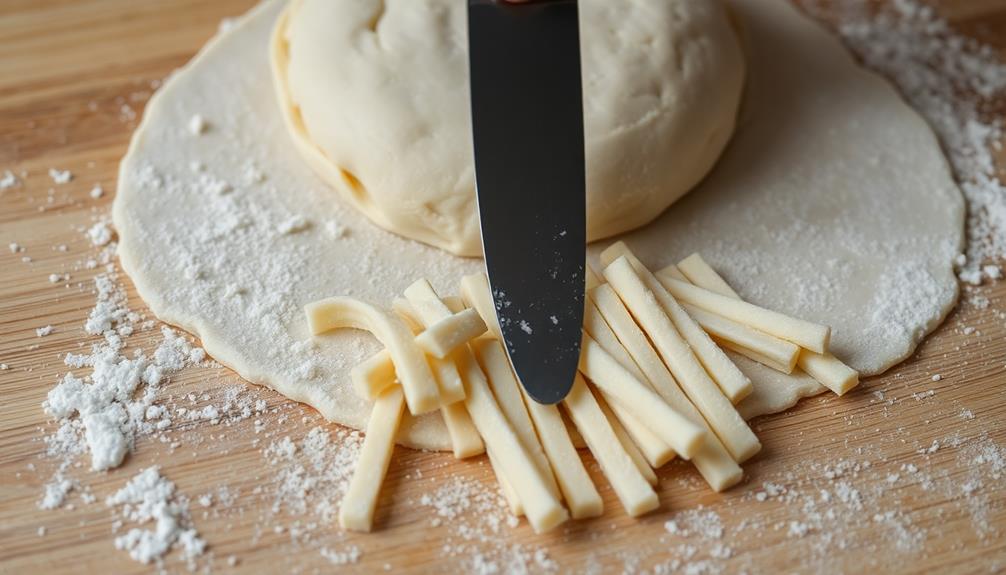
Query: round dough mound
{"points": [[375, 95]]}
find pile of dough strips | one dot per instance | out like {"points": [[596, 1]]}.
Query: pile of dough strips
{"points": [[653, 383]]}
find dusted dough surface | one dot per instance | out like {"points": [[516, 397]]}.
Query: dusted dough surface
{"points": [[375, 93], [830, 179]]}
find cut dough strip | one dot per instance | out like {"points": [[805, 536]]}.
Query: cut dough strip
{"points": [[377, 373], [776, 353], [373, 375], [718, 411], [607, 374], [509, 495], [634, 492], [475, 292], [735, 385], [421, 392], [357, 510], [446, 335], [803, 333], [783, 353], [578, 490], [828, 370], [492, 359], [541, 507], [452, 389], [713, 461], [656, 451], [696, 270], [465, 439], [627, 443]]}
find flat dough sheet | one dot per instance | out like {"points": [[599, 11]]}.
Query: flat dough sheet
{"points": [[833, 203]]}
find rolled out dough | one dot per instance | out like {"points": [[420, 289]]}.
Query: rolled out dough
{"points": [[375, 96], [832, 203]]}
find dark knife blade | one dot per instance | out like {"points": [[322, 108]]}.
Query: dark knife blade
{"points": [[527, 121]]}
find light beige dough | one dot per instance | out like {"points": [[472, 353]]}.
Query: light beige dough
{"points": [[832, 203], [375, 96]]}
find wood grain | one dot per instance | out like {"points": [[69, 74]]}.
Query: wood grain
{"points": [[74, 78]]}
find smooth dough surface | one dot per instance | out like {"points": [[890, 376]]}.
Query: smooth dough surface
{"points": [[830, 179], [376, 97]]}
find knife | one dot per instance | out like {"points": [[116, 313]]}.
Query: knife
{"points": [[527, 122]]}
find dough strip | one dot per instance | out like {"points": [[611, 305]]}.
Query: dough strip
{"points": [[411, 367], [492, 359], [735, 385], [542, 509], [713, 461], [803, 333], [827, 369], [634, 492], [357, 510], [446, 335], [656, 451], [607, 374], [718, 411]]}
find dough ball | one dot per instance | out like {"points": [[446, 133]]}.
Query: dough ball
{"points": [[375, 95]]}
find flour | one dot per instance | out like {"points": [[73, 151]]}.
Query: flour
{"points": [[99, 417], [99, 234], [150, 498], [96, 192], [112, 401], [478, 520], [44, 331], [55, 491], [346, 557], [294, 224], [950, 79], [8, 180], [313, 475], [60, 176]]}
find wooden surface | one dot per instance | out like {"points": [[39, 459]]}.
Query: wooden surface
{"points": [[74, 76]]}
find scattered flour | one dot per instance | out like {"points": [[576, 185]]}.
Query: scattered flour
{"points": [[150, 498], [950, 79], [103, 412], [8, 180], [60, 176], [108, 406], [477, 520], [293, 224], [100, 234]]}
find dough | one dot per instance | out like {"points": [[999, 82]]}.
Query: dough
{"points": [[734, 384], [633, 490], [830, 178], [713, 462], [651, 312], [375, 95], [618, 383]]}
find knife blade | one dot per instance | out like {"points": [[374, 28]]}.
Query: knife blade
{"points": [[527, 122]]}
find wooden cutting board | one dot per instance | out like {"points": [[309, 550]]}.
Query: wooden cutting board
{"points": [[904, 474]]}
